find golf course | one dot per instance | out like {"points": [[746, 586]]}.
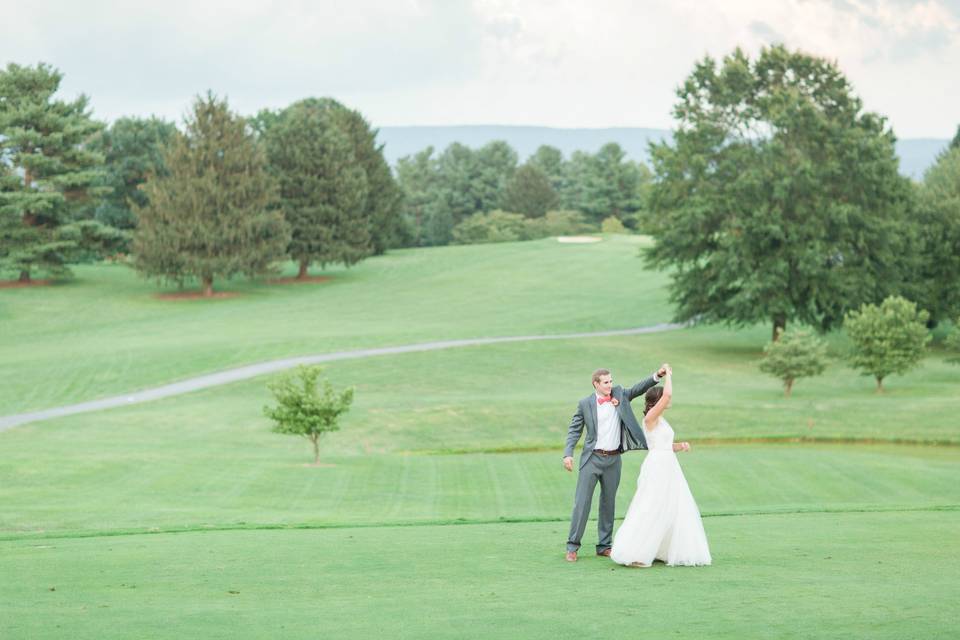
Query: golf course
{"points": [[440, 508]]}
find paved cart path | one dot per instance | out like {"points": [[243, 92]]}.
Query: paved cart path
{"points": [[254, 370]]}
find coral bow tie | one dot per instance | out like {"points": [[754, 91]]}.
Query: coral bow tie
{"points": [[601, 400]]}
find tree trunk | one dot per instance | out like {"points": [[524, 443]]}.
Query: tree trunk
{"points": [[787, 387], [302, 274], [24, 276], [207, 287], [879, 385], [779, 324], [316, 450]]}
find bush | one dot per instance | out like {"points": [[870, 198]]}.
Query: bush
{"points": [[612, 225], [887, 339], [796, 354], [557, 223], [496, 226]]}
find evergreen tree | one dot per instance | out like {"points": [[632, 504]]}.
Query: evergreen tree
{"points": [[935, 280], [383, 194], [955, 143], [779, 198], [495, 164], [529, 192], [133, 150], [51, 173], [323, 187], [418, 180], [209, 216], [550, 161]]}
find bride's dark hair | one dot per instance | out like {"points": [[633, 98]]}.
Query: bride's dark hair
{"points": [[651, 398]]}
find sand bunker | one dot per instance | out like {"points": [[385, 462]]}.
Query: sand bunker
{"points": [[578, 239]]}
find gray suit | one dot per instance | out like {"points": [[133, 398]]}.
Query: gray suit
{"points": [[598, 468]]}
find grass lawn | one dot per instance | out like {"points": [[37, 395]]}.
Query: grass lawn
{"points": [[442, 508], [105, 332], [872, 575]]}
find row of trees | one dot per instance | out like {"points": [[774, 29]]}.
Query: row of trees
{"points": [[779, 199], [226, 195], [442, 191], [888, 338]]}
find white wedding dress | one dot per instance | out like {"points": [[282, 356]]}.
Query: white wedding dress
{"points": [[663, 521]]}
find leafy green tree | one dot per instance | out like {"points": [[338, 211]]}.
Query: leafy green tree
{"points": [[955, 143], [305, 410], [887, 339], [51, 172], [133, 150], [323, 187], [210, 215], [935, 281], [796, 354], [779, 198], [529, 192]]}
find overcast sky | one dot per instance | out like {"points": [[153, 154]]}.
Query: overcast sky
{"points": [[598, 63]]}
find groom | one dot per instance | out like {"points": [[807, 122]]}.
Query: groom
{"points": [[611, 429]]}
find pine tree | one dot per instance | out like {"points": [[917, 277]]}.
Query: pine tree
{"points": [[323, 188], [529, 192], [210, 216], [50, 171], [132, 149]]}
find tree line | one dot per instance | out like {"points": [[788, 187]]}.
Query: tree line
{"points": [[778, 199]]}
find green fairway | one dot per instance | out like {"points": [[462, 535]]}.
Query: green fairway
{"points": [[105, 332], [441, 509], [875, 575]]}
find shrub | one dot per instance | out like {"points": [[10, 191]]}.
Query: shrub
{"points": [[612, 225], [796, 354], [887, 339]]}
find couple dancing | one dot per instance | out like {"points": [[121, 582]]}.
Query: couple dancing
{"points": [[662, 522]]}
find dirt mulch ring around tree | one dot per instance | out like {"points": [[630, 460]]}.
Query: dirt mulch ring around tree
{"points": [[194, 295], [17, 284], [295, 280]]}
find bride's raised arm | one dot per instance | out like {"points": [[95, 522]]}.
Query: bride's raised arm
{"points": [[653, 416]]}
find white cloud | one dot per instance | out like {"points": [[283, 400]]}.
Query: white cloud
{"points": [[560, 63]]}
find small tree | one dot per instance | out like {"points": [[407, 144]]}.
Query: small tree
{"points": [[304, 410], [887, 339], [796, 354]]}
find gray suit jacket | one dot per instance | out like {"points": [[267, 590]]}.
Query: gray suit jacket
{"points": [[631, 434]]}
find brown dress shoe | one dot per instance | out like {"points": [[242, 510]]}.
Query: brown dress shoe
{"points": [[605, 553], [571, 556]]}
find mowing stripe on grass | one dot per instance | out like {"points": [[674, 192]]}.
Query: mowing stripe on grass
{"points": [[441, 523]]}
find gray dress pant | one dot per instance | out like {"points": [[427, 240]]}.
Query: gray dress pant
{"points": [[606, 471]]}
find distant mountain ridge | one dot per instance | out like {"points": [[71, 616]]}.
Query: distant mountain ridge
{"points": [[916, 154]]}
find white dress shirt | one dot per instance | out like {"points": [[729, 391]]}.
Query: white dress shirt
{"points": [[608, 426]]}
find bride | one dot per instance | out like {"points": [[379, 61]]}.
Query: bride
{"points": [[662, 522]]}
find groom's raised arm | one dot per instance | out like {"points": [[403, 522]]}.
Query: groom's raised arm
{"points": [[573, 434], [641, 387]]}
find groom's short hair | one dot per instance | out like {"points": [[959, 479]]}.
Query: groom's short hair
{"points": [[599, 373]]}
